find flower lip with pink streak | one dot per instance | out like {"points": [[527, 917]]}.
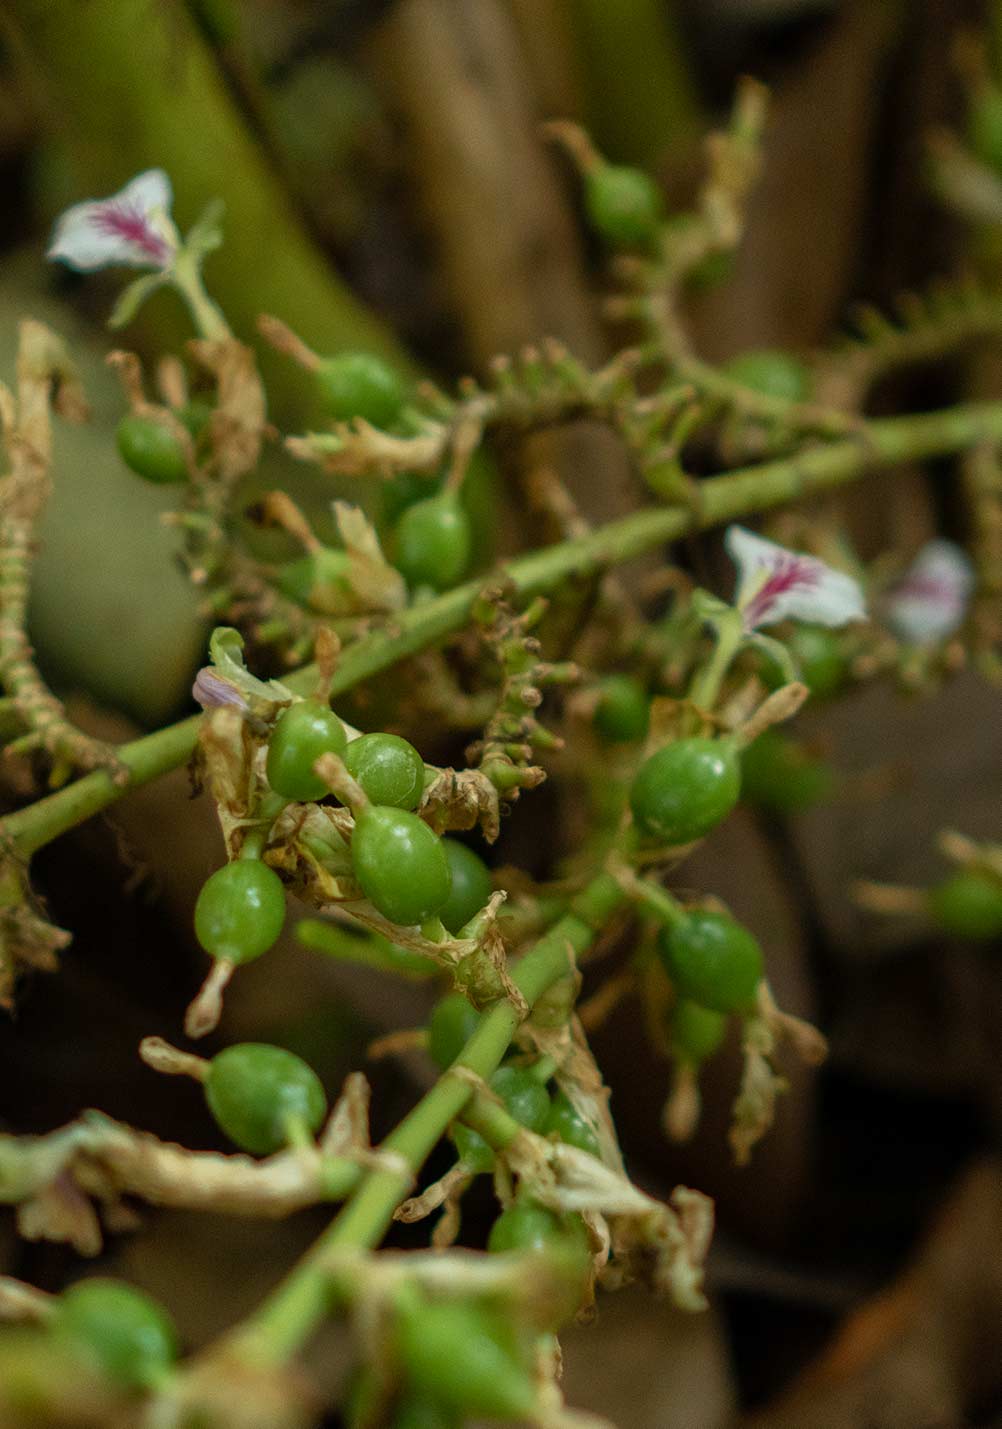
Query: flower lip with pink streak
{"points": [[130, 229], [775, 584], [929, 602]]}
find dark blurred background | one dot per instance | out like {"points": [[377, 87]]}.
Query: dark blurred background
{"points": [[386, 185]]}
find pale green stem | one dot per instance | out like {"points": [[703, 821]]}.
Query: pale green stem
{"points": [[722, 498], [729, 632], [205, 314], [274, 1333]]}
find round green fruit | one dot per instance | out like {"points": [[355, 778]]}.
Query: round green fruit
{"points": [[695, 1032], [303, 733], [686, 789], [240, 911], [526, 1225], [256, 1092], [434, 542], [523, 1096], [452, 1023], [400, 864], [357, 384], [773, 373], [389, 769], [566, 1123], [623, 712], [467, 1359], [127, 1333], [471, 885], [969, 904], [471, 1148], [150, 450], [623, 204], [712, 961], [778, 774], [318, 580]]}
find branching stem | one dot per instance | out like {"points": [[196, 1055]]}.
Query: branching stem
{"points": [[724, 498]]}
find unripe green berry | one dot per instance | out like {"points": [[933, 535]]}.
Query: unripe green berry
{"points": [[240, 911], [434, 542], [712, 960], [968, 903], [400, 863], [302, 733], [466, 1357], [471, 1148], [452, 1023], [623, 712], [471, 885], [388, 768], [623, 204], [318, 580], [778, 773], [685, 789], [566, 1122], [256, 1092], [695, 1032], [150, 450], [523, 1096], [358, 384], [126, 1332]]}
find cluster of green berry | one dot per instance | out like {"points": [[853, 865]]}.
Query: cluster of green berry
{"points": [[526, 1099], [430, 534], [407, 872]]}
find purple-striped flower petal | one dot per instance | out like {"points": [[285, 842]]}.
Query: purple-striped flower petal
{"points": [[775, 584], [929, 602], [131, 229], [212, 692]]}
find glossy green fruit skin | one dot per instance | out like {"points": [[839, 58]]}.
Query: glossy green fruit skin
{"points": [[623, 204], [452, 1023], [526, 1225], [773, 373], [969, 904], [240, 911], [623, 712], [400, 864], [150, 450], [389, 769], [303, 733], [404, 490], [778, 774], [434, 542], [318, 580], [563, 1121], [471, 885], [695, 1032], [524, 1098], [254, 1089], [712, 961], [465, 1358], [472, 1149], [357, 384], [684, 790], [128, 1333]]}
